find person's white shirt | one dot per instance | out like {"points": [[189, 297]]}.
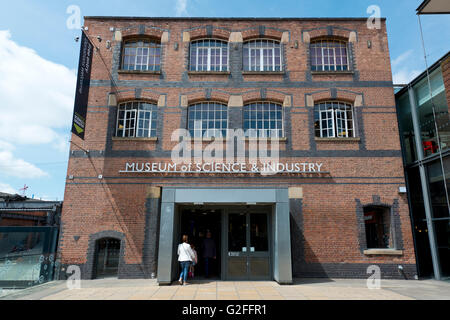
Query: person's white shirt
{"points": [[185, 252]]}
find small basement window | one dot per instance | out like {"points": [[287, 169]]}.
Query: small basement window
{"points": [[378, 226]]}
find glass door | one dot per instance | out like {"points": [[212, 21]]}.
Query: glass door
{"points": [[237, 246], [258, 255], [248, 253]]}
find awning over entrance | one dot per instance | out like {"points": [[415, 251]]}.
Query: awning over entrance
{"points": [[434, 7], [281, 270]]}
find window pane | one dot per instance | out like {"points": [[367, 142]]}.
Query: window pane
{"points": [[328, 55], [208, 115]]}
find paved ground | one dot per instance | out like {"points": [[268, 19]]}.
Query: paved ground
{"points": [[302, 289]]}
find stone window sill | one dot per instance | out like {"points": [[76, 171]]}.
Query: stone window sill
{"points": [[134, 139], [390, 252], [209, 72], [263, 72], [331, 72], [138, 72], [350, 140]]}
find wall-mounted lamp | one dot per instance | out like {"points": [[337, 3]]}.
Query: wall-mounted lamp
{"points": [[175, 46], [369, 44], [108, 44], [296, 44], [401, 189]]}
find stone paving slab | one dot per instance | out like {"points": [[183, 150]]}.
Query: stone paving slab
{"points": [[301, 289]]}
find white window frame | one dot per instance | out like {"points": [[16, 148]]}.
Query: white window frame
{"points": [[262, 56], [198, 123], [147, 44], [261, 133], [128, 118], [135, 115], [223, 67], [149, 128], [334, 120], [324, 48]]}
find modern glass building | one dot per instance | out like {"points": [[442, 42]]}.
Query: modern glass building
{"points": [[422, 108]]}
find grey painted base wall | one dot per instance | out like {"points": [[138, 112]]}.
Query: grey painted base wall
{"points": [[311, 270], [128, 271], [353, 271]]}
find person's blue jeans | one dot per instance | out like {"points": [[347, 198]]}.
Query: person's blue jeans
{"points": [[184, 270]]}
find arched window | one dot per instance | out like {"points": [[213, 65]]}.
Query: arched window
{"points": [[263, 119], [262, 55], [136, 119], [329, 55], [208, 55], [207, 119], [334, 119], [141, 55]]}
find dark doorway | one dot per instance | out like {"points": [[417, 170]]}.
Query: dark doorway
{"points": [[196, 222], [107, 257]]}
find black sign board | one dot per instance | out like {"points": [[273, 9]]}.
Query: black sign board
{"points": [[83, 82]]}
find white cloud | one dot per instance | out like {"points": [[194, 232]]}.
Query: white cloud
{"points": [[181, 8], [14, 167], [405, 76], [36, 96], [401, 58], [6, 188], [401, 66]]}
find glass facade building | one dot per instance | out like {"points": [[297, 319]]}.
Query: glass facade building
{"points": [[422, 108]]}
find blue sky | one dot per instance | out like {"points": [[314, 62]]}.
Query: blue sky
{"points": [[38, 59]]}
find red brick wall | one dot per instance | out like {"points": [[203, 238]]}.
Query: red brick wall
{"points": [[445, 66], [330, 227]]}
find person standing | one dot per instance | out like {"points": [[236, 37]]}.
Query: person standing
{"points": [[209, 252], [185, 257], [194, 262]]}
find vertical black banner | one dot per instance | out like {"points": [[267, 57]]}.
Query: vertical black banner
{"points": [[83, 82]]}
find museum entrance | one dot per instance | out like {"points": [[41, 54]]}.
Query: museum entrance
{"points": [[203, 227], [232, 242], [107, 258], [248, 244]]}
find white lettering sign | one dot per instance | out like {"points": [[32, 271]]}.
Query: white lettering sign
{"points": [[218, 167]]}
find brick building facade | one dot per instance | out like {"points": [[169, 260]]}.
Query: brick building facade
{"points": [[319, 223]]}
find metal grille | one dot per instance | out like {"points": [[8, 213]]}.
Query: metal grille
{"points": [[262, 55], [263, 119], [208, 119], [329, 55], [136, 119], [209, 55], [334, 119], [142, 56]]}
